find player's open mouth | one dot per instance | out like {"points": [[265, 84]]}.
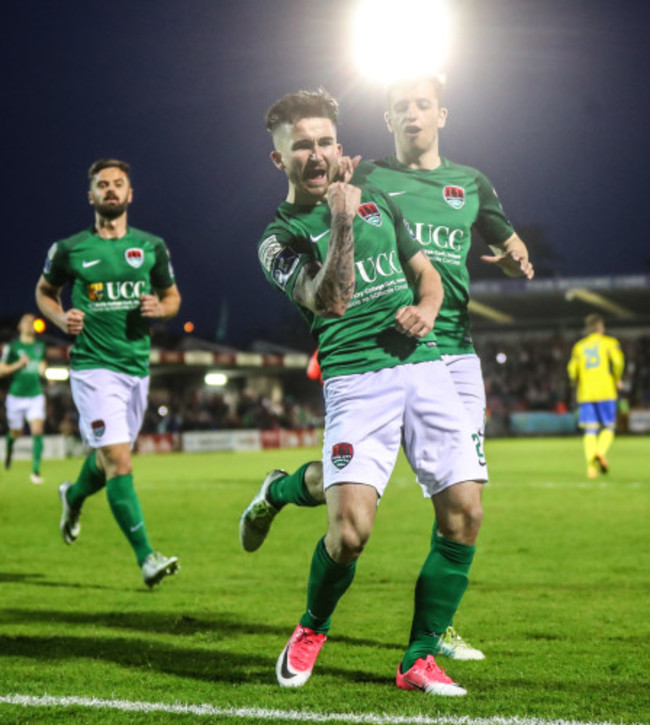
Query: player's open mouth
{"points": [[315, 175], [411, 130]]}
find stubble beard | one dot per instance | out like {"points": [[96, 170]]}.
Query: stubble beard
{"points": [[111, 211]]}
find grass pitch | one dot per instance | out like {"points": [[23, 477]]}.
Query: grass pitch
{"points": [[559, 598]]}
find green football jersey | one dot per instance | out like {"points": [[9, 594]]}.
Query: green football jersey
{"points": [[26, 382], [441, 207], [107, 277], [365, 338]]}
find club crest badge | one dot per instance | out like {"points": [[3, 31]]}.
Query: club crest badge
{"points": [[342, 454], [267, 251], [135, 257], [98, 428], [454, 196], [370, 213]]}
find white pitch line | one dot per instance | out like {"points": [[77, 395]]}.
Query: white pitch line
{"points": [[267, 714]]}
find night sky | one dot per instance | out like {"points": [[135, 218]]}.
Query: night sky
{"points": [[549, 99]]}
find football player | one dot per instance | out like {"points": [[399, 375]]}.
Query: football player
{"points": [[121, 278]]}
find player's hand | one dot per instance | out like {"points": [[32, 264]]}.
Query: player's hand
{"points": [[22, 362], [343, 199], [513, 265], [73, 321], [347, 167], [150, 306], [413, 322]]}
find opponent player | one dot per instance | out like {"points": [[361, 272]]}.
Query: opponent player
{"points": [[596, 367], [344, 257], [24, 359], [121, 278], [442, 202]]}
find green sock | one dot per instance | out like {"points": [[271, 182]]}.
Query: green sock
{"points": [[89, 481], [10, 444], [291, 489], [127, 511], [37, 453], [439, 589], [328, 582]]}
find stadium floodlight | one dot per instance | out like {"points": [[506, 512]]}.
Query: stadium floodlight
{"points": [[597, 300], [57, 373], [491, 313], [216, 379], [398, 39], [163, 410]]}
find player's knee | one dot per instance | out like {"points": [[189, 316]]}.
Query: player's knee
{"points": [[116, 462], [123, 465], [473, 518], [464, 524], [314, 481], [346, 542]]}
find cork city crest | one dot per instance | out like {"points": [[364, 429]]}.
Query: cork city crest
{"points": [[370, 213], [454, 196], [342, 454], [135, 257], [98, 428]]}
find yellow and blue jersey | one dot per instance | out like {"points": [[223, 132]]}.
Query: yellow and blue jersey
{"points": [[596, 365]]}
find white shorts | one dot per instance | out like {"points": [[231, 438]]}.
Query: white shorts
{"points": [[111, 405], [21, 409], [465, 371], [369, 415]]}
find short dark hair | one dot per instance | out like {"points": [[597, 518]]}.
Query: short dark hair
{"points": [[302, 104], [101, 164], [437, 81]]}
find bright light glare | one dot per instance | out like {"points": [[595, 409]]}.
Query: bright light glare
{"points": [[39, 325], [218, 379], [163, 410], [57, 373], [502, 358], [400, 39]]}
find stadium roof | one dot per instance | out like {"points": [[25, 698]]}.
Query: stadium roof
{"points": [[558, 303]]}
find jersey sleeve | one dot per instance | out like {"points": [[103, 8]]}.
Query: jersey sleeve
{"points": [[281, 261], [162, 272], [6, 350], [56, 269], [492, 223]]}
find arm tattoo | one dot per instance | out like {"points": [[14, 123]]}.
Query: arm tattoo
{"points": [[336, 279]]}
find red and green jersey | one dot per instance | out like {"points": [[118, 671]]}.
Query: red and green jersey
{"points": [[107, 278], [441, 207], [365, 338], [26, 382]]}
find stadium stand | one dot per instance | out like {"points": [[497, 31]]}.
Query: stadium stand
{"points": [[523, 333]]}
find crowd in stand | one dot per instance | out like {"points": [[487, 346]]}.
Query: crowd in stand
{"points": [[196, 409], [204, 409], [531, 374], [521, 375]]}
